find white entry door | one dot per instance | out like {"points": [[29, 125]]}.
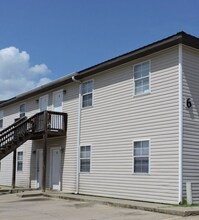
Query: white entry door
{"points": [[56, 120], [39, 160], [58, 101], [43, 103], [55, 168]]}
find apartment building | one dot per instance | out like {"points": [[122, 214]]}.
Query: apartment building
{"points": [[125, 128]]}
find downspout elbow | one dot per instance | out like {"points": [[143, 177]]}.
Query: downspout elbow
{"points": [[76, 80]]}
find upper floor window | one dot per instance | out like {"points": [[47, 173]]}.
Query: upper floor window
{"points": [[141, 156], [87, 94], [22, 110], [141, 78], [20, 161], [1, 119]]}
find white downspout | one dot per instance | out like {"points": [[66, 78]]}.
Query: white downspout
{"points": [[180, 123], [78, 136]]}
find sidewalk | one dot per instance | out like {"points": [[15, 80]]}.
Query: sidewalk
{"points": [[8, 189], [146, 206]]}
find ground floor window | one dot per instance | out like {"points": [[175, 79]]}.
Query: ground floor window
{"points": [[85, 153], [20, 161], [141, 156]]}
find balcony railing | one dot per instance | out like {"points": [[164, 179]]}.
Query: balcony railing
{"points": [[49, 121]]}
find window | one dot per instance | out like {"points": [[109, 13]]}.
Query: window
{"points": [[20, 161], [141, 156], [141, 78], [1, 119], [87, 94], [85, 158], [22, 110]]}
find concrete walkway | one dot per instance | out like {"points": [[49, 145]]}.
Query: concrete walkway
{"points": [[146, 206], [8, 189]]}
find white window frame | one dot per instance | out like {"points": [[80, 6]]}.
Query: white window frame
{"points": [[149, 76], [92, 81], [149, 156], [20, 112], [85, 145], [19, 160], [1, 118]]}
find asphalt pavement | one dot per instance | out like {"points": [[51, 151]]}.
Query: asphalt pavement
{"points": [[49, 208]]}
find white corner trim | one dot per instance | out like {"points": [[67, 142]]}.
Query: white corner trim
{"points": [[180, 72]]}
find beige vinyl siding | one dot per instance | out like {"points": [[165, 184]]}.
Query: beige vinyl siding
{"points": [[70, 106], [68, 144], [6, 171], [28, 175], [191, 121], [117, 118], [11, 112], [38, 144], [23, 177]]}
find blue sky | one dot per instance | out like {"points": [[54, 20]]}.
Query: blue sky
{"points": [[52, 38]]}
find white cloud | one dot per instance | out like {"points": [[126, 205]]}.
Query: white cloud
{"points": [[39, 69], [16, 74], [43, 81]]}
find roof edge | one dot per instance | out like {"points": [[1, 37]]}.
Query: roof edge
{"points": [[180, 37]]}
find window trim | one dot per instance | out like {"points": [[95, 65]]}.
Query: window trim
{"points": [[90, 80], [83, 172], [20, 160], [137, 95], [149, 157], [2, 118], [20, 110]]}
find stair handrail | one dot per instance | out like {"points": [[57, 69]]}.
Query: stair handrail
{"points": [[25, 128], [18, 125], [14, 125]]}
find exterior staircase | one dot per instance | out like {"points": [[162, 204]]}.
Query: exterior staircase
{"points": [[47, 123]]}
